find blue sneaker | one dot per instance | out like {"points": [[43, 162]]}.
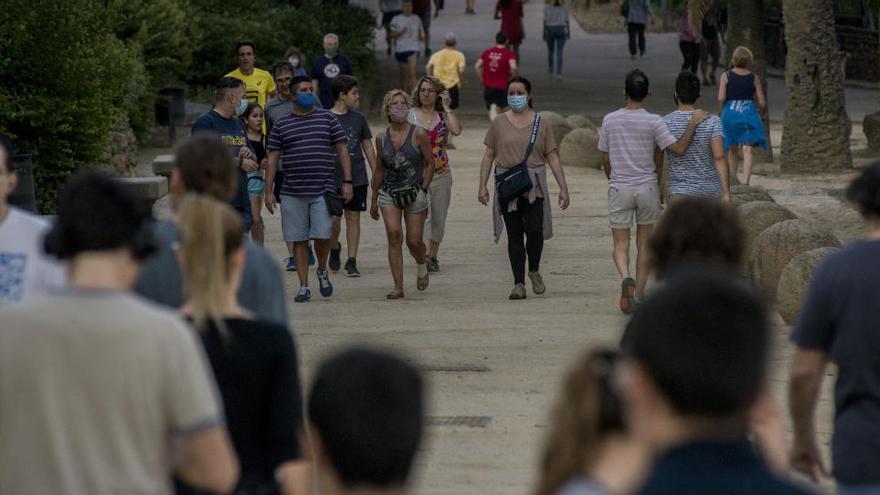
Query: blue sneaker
{"points": [[291, 264], [303, 295], [312, 259], [324, 283]]}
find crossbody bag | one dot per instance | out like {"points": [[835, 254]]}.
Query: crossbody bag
{"points": [[515, 181]]}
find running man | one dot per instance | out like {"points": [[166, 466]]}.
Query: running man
{"points": [[494, 68]]}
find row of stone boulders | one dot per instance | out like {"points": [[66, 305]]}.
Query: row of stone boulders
{"points": [[577, 137], [783, 250]]}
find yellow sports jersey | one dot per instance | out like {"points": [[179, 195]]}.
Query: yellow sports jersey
{"points": [[447, 63], [257, 87]]}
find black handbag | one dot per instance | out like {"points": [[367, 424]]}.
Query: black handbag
{"points": [[404, 196], [334, 204], [515, 181]]}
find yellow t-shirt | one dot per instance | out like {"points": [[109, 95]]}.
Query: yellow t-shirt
{"points": [[257, 87], [447, 62]]}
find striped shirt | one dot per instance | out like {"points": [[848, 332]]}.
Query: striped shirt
{"points": [[630, 137], [308, 154], [694, 173]]}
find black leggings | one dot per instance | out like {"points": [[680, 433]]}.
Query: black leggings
{"points": [[636, 29], [528, 221], [691, 52]]}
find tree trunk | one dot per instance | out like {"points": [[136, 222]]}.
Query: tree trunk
{"points": [[816, 129], [745, 27]]}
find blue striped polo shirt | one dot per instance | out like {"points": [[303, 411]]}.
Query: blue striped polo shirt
{"points": [[694, 173], [308, 152]]}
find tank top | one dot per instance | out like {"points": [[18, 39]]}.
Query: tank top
{"points": [[403, 167], [740, 87], [437, 137]]}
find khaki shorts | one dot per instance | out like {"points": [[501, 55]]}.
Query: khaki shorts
{"points": [[417, 206], [624, 207]]}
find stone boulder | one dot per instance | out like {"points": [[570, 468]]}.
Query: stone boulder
{"points": [[742, 193], [795, 280], [557, 122], [756, 216], [871, 128], [773, 248], [576, 121], [578, 149]]}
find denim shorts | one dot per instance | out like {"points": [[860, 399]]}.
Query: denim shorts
{"points": [[304, 218], [255, 185]]}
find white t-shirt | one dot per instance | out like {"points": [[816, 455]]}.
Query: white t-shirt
{"points": [[629, 137], [408, 41], [25, 270]]}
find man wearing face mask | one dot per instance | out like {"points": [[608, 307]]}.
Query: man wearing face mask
{"points": [[328, 68], [306, 142], [222, 119]]}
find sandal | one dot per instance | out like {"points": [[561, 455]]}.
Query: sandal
{"points": [[394, 294], [422, 282]]}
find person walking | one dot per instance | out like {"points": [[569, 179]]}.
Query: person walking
{"points": [[390, 9], [258, 83], [710, 51], [253, 360], [327, 68], [741, 97], [631, 140], [422, 9], [253, 123], [98, 383], [556, 31], [279, 106], [469, 7], [517, 139], [297, 60], [26, 270], [304, 143], [702, 170], [448, 65], [689, 45], [494, 68], [406, 31], [511, 14], [360, 145], [401, 181], [838, 323], [638, 16], [432, 112]]}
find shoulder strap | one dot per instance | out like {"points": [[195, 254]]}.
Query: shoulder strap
{"points": [[533, 137]]}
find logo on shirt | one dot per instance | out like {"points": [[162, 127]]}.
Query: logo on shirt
{"points": [[331, 70], [12, 266]]}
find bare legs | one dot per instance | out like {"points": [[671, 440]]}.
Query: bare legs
{"points": [[352, 231], [257, 226], [415, 223], [746, 163], [621, 254], [408, 73], [301, 255]]}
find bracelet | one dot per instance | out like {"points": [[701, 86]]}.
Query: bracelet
{"points": [[347, 182]]}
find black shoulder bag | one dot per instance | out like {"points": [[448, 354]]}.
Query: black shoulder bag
{"points": [[515, 181]]}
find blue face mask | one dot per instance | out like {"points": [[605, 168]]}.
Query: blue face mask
{"points": [[517, 103], [241, 108], [306, 100]]}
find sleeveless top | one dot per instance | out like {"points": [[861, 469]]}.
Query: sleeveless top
{"points": [[438, 137], [740, 87], [403, 167]]}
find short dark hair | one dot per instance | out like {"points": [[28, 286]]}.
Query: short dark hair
{"points": [[697, 230], [367, 407], [8, 147], [97, 213], [206, 166], [342, 85], [704, 340], [282, 67], [864, 191], [224, 85], [525, 82], [296, 81], [687, 87], [246, 43], [501, 38], [637, 85]]}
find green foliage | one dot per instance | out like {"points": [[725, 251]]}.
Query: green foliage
{"points": [[65, 78]]}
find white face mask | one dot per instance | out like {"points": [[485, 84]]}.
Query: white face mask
{"points": [[294, 61]]}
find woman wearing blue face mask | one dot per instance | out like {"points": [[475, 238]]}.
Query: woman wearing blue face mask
{"points": [[526, 217]]}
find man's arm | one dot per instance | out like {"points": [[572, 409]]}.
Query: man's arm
{"points": [[513, 67], [345, 161], [807, 370], [269, 179], [658, 169], [207, 460], [369, 154], [478, 67], [429, 68], [722, 167], [680, 147], [606, 165]]}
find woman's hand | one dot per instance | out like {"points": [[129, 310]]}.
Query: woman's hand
{"points": [[374, 209], [563, 198], [264, 164], [446, 100], [483, 195]]}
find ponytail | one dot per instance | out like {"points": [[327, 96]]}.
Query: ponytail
{"points": [[210, 232]]}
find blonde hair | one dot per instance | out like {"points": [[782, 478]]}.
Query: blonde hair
{"points": [[435, 83], [210, 231], [585, 412], [389, 97], [742, 57]]}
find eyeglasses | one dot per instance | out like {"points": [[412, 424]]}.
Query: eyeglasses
{"points": [[427, 91]]}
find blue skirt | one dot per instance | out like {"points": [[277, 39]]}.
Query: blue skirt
{"points": [[742, 124]]}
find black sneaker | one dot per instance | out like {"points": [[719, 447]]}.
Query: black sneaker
{"points": [[433, 264], [335, 262], [351, 268]]}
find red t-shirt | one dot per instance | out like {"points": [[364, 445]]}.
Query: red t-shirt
{"points": [[496, 67]]}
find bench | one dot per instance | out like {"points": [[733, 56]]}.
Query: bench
{"points": [[163, 164], [150, 189]]}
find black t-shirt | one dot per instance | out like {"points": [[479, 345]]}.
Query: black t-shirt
{"points": [[259, 149], [841, 316], [255, 365]]}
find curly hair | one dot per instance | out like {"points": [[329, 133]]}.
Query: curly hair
{"points": [[864, 191], [697, 230], [438, 87]]}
